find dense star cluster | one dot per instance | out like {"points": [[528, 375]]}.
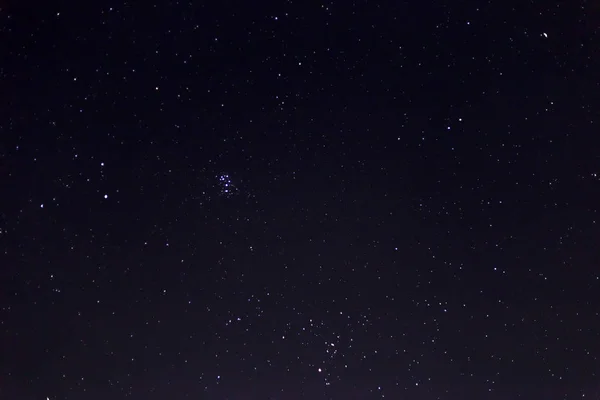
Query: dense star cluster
{"points": [[226, 187], [347, 200]]}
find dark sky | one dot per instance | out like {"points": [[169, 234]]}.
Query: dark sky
{"points": [[300, 200]]}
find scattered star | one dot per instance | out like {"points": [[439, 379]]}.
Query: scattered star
{"points": [[358, 200]]}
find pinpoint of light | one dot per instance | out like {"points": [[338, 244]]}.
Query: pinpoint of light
{"points": [[545, 34], [106, 196]]}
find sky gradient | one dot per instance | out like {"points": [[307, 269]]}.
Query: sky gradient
{"points": [[299, 200]]}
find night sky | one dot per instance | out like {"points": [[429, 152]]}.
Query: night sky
{"points": [[287, 200]]}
